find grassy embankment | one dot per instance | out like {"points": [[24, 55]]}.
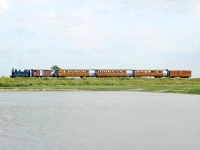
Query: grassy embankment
{"points": [[176, 85]]}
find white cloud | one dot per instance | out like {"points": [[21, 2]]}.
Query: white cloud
{"points": [[3, 6], [70, 23], [39, 1], [197, 8], [175, 6]]}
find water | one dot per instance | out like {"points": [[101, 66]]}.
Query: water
{"points": [[99, 120]]}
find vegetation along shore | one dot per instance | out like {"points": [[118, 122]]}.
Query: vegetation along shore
{"points": [[167, 85]]}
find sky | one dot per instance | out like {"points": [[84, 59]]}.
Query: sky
{"points": [[106, 34]]}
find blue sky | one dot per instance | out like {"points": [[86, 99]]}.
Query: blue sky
{"points": [[125, 34]]}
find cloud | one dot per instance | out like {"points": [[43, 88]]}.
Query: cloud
{"points": [[3, 6], [68, 23], [197, 8], [39, 1], [85, 31], [175, 6]]}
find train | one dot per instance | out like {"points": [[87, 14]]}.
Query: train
{"points": [[100, 73]]}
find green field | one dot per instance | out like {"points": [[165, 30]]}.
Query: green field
{"points": [[176, 85]]}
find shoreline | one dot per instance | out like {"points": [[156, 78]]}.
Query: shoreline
{"points": [[178, 91], [161, 85]]}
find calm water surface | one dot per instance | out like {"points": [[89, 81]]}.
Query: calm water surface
{"points": [[99, 120]]}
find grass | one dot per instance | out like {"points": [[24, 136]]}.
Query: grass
{"points": [[176, 85]]}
